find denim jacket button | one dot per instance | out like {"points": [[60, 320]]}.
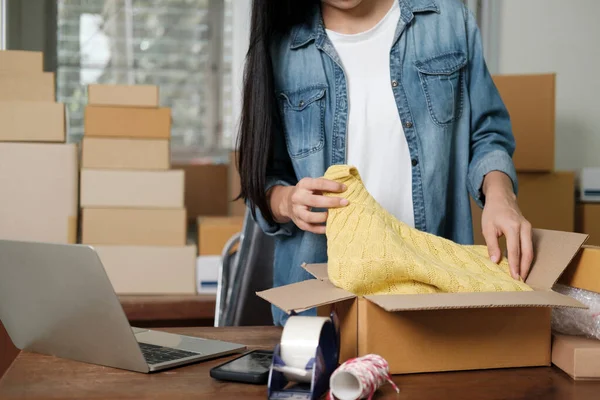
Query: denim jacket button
{"points": [[408, 124], [394, 83], [301, 104], [414, 162]]}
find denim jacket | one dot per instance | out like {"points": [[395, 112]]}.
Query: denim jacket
{"points": [[456, 125]]}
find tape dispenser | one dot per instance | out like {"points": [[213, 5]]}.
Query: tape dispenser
{"points": [[305, 358]]}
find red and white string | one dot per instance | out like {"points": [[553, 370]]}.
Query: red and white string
{"points": [[360, 378]]}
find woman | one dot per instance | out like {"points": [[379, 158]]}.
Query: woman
{"points": [[397, 88]]}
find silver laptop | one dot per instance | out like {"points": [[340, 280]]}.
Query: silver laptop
{"points": [[57, 300]]}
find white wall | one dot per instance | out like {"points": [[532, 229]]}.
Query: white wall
{"points": [[561, 36]]}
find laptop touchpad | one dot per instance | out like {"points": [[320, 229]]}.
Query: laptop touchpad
{"points": [[170, 340]]}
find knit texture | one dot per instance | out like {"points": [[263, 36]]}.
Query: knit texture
{"points": [[371, 252]]}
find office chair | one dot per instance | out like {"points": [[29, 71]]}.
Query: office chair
{"points": [[244, 272]]}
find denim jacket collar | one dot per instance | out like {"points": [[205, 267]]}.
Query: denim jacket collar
{"points": [[314, 30]]}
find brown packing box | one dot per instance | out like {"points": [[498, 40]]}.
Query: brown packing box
{"points": [[123, 95], [128, 122], [135, 227], [214, 232], [587, 219], [18, 61], [131, 189], [32, 121], [39, 186], [237, 207], [547, 200], [530, 100], [164, 270], [27, 87], [584, 270], [577, 356], [445, 331], [132, 154], [205, 189]]}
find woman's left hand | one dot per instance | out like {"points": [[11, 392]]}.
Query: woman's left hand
{"points": [[501, 216]]}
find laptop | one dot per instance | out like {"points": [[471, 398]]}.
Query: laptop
{"points": [[56, 299]]}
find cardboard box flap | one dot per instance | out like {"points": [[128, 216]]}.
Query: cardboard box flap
{"points": [[439, 301], [304, 295], [554, 251], [319, 271]]}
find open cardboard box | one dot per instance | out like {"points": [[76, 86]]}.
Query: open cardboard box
{"points": [[445, 331]]}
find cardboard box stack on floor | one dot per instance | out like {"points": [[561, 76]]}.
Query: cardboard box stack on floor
{"points": [[587, 212], [218, 219], [546, 197], [38, 171], [580, 356], [132, 203]]}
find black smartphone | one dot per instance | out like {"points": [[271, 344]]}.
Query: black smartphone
{"points": [[250, 367]]}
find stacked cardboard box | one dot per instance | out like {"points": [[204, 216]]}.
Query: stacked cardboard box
{"points": [[579, 356], [587, 213], [546, 197], [217, 215], [38, 171], [587, 220], [132, 202]]}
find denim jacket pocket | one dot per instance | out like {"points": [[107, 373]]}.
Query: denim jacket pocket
{"points": [[442, 82], [303, 114]]}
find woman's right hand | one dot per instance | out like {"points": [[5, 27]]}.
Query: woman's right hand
{"points": [[295, 203]]}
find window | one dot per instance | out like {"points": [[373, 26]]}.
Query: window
{"points": [[183, 46]]}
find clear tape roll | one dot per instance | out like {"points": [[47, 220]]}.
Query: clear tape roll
{"points": [[299, 342]]}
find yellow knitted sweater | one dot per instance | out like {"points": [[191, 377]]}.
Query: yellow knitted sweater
{"points": [[371, 252]]}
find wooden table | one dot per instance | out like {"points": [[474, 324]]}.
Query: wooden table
{"points": [[42, 377], [182, 310]]}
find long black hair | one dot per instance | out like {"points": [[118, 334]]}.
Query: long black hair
{"points": [[260, 119]]}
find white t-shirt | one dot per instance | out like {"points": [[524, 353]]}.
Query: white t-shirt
{"points": [[376, 142]]}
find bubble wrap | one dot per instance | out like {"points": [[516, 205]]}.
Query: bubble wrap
{"points": [[577, 321]]}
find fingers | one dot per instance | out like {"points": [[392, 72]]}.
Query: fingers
{"points": [[526, 249], [316, 229], [312, 217], [513, 242], [317, 201], [305, 197], [491, 239], [321, 185]]}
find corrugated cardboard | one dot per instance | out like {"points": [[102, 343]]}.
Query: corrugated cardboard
{"points": [[27, 87], [131, 189], [32, 121], [132, 154], [584, 270], [215, 232], [135, 227], [205, 190], [128, 122], [18, 61], [530, 100], [587, 220], [237, 207], [39, 186], [577, 356], [123, 95], [547, 200], [446, 331], [150, 270]]}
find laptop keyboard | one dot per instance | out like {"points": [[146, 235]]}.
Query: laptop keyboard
{"points": [[158, 354]]}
